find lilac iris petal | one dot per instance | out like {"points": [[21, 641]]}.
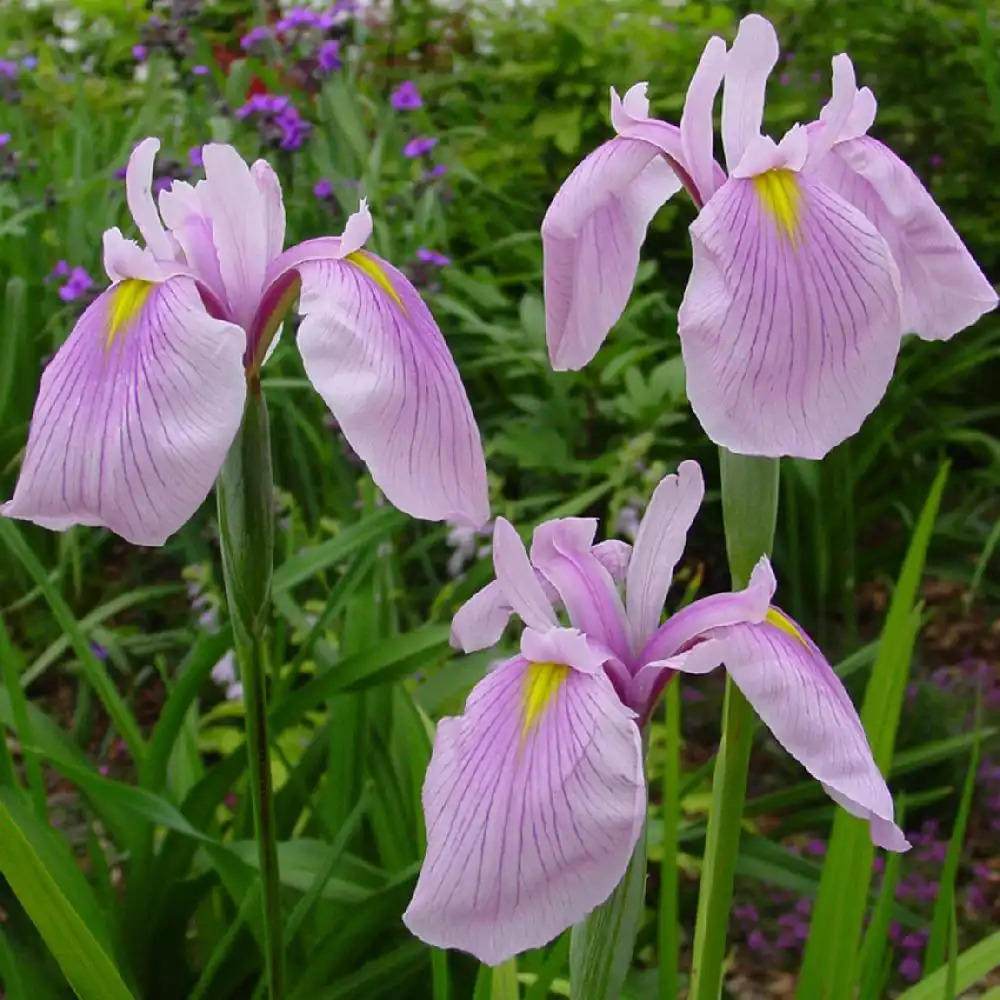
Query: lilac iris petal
{"points": [[811, 259], [139, 407], [516, 850]]}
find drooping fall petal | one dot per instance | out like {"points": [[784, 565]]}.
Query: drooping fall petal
{"points": [[944, 290], [591, 236], [534, 800], [374, 353], [790, 323], [802, 701], [135, 414]]}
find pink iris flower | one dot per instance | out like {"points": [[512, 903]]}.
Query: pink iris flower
{"points": [[138, 408], [535, 796], [811, 258]]}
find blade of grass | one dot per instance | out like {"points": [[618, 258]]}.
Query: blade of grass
{"points": [[830, 962], [225, 944], [93, 670], [970, 966], [85, 960], [873, 949], [10, 660], [944, 906]]}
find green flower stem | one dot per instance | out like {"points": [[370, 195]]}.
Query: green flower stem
{"points": [[600, 949], [749, 511], [669, 945], [246, 529]]}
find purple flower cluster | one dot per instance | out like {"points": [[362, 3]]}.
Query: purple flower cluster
{"points": [[311, 40], [76, 282], [278, 119]]}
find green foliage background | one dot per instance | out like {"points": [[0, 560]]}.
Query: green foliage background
{"points": [[517, 95]]}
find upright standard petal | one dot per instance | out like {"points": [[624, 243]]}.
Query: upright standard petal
{"points": [[274, 206], [562, 551], [135, 414], [534, 800], [944, 291], [802, 701], [139, 196], [374, 353], [697, 130], [659, 545], [517, 578], [790, 323], [591, 237], [751, 59], [243, 227]]}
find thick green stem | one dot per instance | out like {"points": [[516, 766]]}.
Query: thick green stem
{"points": [[749, 511], [600, 951], [246, 529]]}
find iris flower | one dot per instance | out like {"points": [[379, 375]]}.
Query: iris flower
{"points": [[811, 258], [535, 796], [138, 408]]}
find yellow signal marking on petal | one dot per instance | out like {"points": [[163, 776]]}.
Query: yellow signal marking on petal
{"points": [[127, 299], [780, 620], [781, 197], [371, 267], [542, 682]]}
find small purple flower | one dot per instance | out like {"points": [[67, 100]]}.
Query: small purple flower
{"points": [[756, 941], [103, 770], [199, 70], [254, 37], [161, 184], [329, 56], [432, 257], [784, 79], [815, 847], [29, 62], [79, 283], [323, 189], [139, 53], [406, 97], [8, 69], [910, 968], [61, 270], [936, 159], [438, 170], [99, 651], [4, 139], [420, 146], [195, 156]]}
